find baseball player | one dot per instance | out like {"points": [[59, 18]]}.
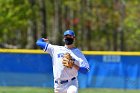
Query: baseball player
{"points": [[67, 61]]}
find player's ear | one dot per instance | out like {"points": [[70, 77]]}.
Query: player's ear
{"points": [[74, 38]]}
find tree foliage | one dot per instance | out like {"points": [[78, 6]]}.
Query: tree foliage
{"points": [[98, 24]]}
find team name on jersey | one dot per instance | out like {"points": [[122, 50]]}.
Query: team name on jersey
{"points": [[60, 55]]}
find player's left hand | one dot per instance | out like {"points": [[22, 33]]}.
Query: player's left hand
{"points": [[67, 60]]}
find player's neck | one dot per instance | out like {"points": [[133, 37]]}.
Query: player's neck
{"points": [[69, 46]]}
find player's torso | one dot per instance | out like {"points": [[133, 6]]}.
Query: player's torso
{"points": [[61, 72]]}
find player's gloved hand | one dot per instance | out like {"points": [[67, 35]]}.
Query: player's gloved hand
{"points": [[67, 60]]}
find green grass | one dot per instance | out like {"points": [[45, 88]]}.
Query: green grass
{"points": [[107, 91], [25, 90], [50, 90]]}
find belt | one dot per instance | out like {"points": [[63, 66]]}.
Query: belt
{"points": [[64, 81]]}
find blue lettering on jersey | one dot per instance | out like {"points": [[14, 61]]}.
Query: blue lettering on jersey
{"points": [[60, 55]]}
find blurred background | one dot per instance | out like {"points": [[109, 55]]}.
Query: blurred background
{"points": [[98, 24], [105, 30]]}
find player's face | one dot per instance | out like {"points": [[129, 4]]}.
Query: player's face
{"points": [[68, 39]]}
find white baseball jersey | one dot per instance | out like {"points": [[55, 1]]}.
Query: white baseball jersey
{"points": [[61, 72]]}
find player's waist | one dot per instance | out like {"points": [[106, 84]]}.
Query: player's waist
{"points": [[64, 81]]}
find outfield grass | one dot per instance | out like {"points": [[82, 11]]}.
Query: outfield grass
{"points": [[47, 90]]}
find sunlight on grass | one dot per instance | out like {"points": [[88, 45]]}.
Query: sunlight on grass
{"points": [[50, 90]]}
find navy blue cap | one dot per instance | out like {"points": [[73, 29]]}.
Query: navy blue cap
{"points": [[69, 32]]}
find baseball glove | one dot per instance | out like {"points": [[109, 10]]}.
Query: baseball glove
{"points": [[67, 60]]}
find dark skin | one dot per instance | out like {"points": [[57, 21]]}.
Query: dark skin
{"points": [[68, 46]]}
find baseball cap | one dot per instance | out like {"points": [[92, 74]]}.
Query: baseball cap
{"points": [[69, 32]]}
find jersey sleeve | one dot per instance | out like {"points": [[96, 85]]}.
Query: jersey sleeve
{"points": [[83, 63], [49, 48], [45, 46]]}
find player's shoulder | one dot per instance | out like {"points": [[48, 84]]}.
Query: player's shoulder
{"points": [[58, 47], [53, 46], [77, 49]]}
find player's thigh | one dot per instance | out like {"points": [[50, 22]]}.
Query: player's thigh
{"points": [[72, 89]]}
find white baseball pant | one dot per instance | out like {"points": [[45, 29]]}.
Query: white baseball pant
{"points": [[69, 87]]}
